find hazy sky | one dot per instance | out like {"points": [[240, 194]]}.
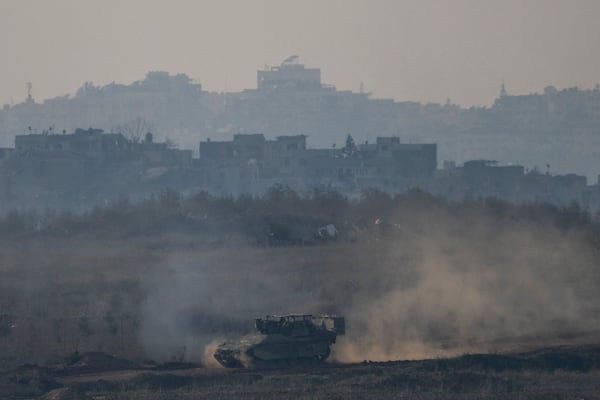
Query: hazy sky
{"points": [[420, 50]]}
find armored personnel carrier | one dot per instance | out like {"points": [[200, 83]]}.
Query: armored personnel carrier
{"points": [[283, 340]]}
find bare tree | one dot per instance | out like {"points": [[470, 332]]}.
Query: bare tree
{"points": [[136, 129]]}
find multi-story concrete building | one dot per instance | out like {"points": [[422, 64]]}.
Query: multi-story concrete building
{"points": [[93, 143], [289, 74], [387, 164]]}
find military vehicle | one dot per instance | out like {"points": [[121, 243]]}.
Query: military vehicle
{"points": [[283, 340]]}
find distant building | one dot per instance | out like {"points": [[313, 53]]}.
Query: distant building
{"points": [[289, 74], [92, 143], [161, 153], [484, 178], [5, 152], [95, 144], [388, 164]]}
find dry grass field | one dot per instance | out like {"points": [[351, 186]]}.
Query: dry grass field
{"points": [[415, 277]]}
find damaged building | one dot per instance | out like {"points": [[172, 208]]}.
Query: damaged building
{"points": [[89, 166], [251, 164]]}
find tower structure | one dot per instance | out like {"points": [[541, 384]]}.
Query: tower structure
{"points": [[503, 90], [29, 97]]}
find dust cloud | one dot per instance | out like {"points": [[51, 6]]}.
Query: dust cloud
{"points": [[207, 355], [432, 284]]}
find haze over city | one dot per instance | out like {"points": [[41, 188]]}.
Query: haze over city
{"points": [[426, 51], [276, 199]]}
